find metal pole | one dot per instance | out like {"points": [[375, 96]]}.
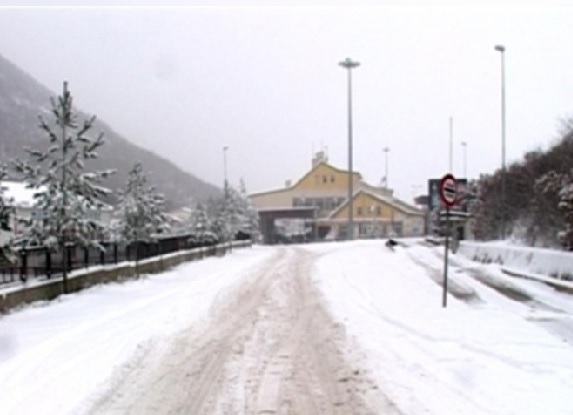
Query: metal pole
{"points": [[349, 64], [225, 168], [63, 210], [465, 146], [445, 288], [451, 144], [501, 49], [386, 150], [225, 148]]}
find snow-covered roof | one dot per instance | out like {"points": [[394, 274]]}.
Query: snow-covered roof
{"points": [[23, 196], [18, 192], [398, 204]]}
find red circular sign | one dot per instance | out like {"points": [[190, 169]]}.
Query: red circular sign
{"points": [[448, 190]]}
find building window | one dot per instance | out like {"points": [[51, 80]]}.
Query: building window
{"points": [[377, 210], [331, 179], [324, 180], [359, 210]]}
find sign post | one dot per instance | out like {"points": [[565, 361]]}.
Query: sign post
{"points": [[448, 195]]}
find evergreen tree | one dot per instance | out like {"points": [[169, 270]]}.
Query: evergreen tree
{"points": [[234, 213], [200, 221], [6, 205], [545, 219], [560, 186], [140, 209], [64, 191], [217, 214], [6, 211], [566, 206], [250, 220]]}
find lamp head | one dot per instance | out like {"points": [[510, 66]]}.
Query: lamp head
{"points": [[348, 63]]}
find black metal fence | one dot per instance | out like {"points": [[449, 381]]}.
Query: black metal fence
{"points": [[43, 263]]}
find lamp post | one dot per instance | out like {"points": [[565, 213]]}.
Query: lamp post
{"points": [[349, 65], [501, 50], [225, 189], [451, 158], [225, 164], [386, 150], [465, 147]]}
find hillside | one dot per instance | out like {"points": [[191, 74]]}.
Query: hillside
{"points": [[21, 101]]}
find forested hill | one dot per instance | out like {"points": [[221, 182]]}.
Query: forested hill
{"points": [[539, 201], [22, 99]]}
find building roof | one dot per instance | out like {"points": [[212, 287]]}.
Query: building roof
{"points": [[293, 208], [404, 207], [18, 193], [22, 196], [284, 189]]}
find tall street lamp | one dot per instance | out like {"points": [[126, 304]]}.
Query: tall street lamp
{"points": [[226, 196], [386, 150], [225, 168], [349, 65], [501, 50], [465, 147]]}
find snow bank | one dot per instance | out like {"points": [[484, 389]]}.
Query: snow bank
{"points": [[58, 359], [542, 261], [466, 359]]}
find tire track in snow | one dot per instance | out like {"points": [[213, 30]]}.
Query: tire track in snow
{"points": [[269, 348]]}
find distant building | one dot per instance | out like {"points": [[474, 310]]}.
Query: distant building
{"points": [[319, 199]]}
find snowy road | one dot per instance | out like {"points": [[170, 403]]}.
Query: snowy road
{"points": [[270, 348], [339, 328]]}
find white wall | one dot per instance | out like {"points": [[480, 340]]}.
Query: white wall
{"points": [[532, 260]]}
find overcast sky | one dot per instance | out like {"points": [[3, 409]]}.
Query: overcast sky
{"points": [[185, 82]]}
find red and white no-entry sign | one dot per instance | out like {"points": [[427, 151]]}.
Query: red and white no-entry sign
{"points": [[448, 190]]}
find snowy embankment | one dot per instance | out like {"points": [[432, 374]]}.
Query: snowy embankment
{"points": [[56, 356], [470, 358], [535, 263]]}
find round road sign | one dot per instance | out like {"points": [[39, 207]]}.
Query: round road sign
{"points": [[448, 190]]}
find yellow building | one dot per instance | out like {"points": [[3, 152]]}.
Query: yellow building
{"points": [[319, 199]]}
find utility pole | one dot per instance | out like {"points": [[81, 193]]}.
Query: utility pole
{"points": [[451, 159], [386, 150], [501, 49], [66, 114], [349, 65]]}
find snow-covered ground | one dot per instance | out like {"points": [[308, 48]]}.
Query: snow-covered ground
{"points": [[502, 346], [483, 356]]}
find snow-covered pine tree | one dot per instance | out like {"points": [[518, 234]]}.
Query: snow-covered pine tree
{"points": [[218, 218], [566, 206], [250, 220], [235, 212], [560, 186], [200, 221], [65, 193], [140, 209], [6, 205], [6, 212]]}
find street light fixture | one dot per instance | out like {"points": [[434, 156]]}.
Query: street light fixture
{"points": [[465, 146], [349, 65], [226, 196], [501, 49], [225, 169], [386, 150]]}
